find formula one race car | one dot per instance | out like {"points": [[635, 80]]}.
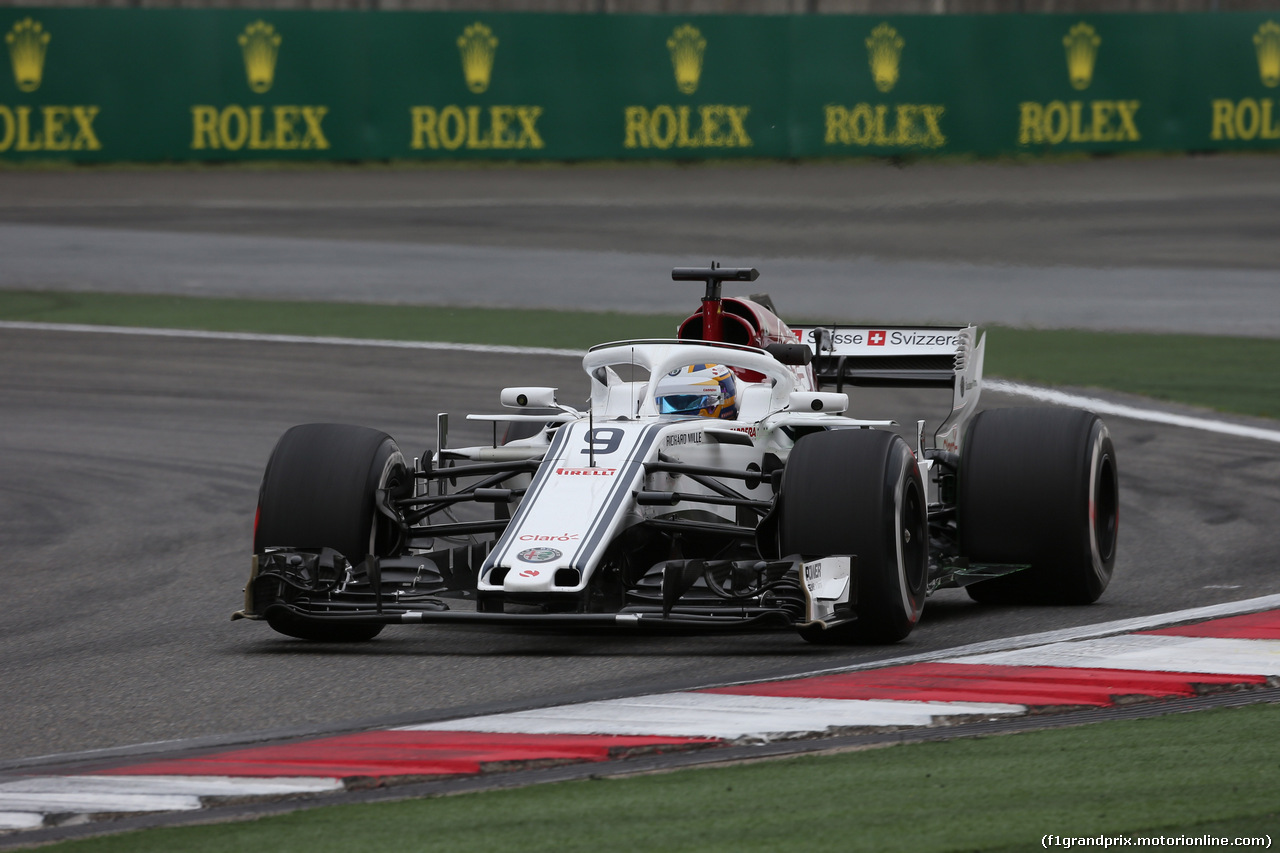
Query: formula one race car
{"points": [[714, 481]]}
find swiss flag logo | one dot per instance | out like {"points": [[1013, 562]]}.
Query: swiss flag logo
{"points": [[875, 338]]}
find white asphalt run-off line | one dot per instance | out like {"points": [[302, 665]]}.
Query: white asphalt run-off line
{"points": [[24, 803], [1149, 653], [21, 820], [728, 717], [194, 786], [253, 337], [1000, 386], [1097, 630], [1120, 410]]}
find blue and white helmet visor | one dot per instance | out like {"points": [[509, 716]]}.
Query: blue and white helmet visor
{"points": [[706, 390], [688, 404]]}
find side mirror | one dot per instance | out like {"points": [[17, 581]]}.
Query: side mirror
{"points": [[529, 398], [796, 355], [817, 401]]}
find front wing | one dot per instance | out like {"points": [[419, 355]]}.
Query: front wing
{"points": [[324, 588]]}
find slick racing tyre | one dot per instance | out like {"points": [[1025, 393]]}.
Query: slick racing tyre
{"points": [[1039, 487], [318, 492], [858, 492]]}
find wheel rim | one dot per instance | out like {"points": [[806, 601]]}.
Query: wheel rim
{"points": [[914, 539], [910, 546], [384, 538], [1104, 510]]}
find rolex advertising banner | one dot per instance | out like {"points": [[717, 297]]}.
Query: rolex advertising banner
{"points": [[999, 84], [182, 85]]}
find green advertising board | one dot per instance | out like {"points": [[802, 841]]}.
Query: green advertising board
{"points": [[182, 85]]}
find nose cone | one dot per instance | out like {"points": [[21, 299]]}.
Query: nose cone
{"points": [[533, 570]]}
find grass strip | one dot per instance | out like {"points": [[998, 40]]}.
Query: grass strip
{"points": [[515, 327], [1211, 772], [1240, 375]]}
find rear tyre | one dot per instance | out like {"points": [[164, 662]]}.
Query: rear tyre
{"points": [[858, 492], [1039, 486], [318, 492]]}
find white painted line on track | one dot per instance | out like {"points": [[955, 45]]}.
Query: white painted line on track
{"points": [[196, 786], [1019, 389], [254, 337], [734, 717], [1061, 635], [92, 802], [21, 820], [24, 803], [1151, 653], [1120, 410], [726, 716]]}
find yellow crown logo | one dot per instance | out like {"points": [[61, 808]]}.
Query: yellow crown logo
{"points": [[687, 46], [260, 43], [884, 48], [1081, 42], [477, 46], [1267, 42], [27, 43]]}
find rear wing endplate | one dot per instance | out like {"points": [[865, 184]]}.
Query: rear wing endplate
{"points": [[903, 357]]}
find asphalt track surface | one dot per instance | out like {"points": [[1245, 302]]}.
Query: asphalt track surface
{"points": [[128, 475], [1178, 244]]}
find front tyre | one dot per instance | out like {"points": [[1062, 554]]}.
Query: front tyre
{"points": [[317, 492], [1039, 486], [858, 492]]}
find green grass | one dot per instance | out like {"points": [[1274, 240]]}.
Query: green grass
{"points": [[1212, 772], [1240, 375], [533, 328]]}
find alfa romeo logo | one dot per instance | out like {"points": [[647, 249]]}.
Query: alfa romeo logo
{"points": [[539, 555]]}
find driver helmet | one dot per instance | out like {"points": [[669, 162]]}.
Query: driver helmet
{"points": [[703, 390]]}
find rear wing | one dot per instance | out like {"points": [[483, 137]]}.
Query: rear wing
{"points": [[904, 357]]}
